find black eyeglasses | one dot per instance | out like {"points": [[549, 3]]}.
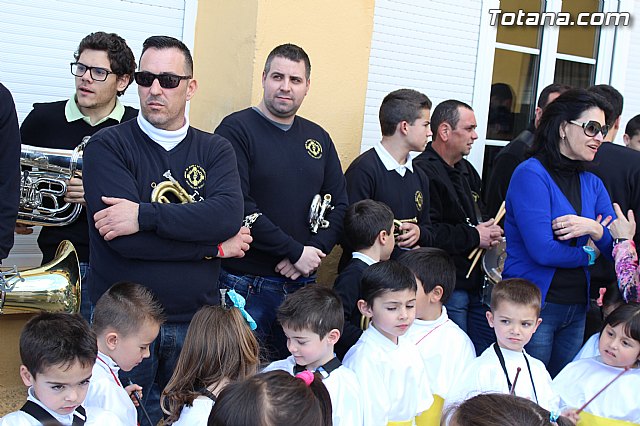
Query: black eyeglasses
{"points": [[592, 128], [167, 81], [98, 74]]}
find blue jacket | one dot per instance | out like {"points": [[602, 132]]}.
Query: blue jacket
{"points": [[533, 201]]}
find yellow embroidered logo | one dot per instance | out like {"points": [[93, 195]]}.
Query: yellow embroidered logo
{"points": [[314, 149], [195, 176], [419, 200]]}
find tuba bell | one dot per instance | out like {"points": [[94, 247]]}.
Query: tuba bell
{"points": [[43, 185], [54, 287], [320, 207]]}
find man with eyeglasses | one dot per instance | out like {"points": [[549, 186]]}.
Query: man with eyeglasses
{"points": [[103, 68], [173, 247]]}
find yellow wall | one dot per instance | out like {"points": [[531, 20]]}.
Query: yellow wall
{"points": [[232, 43]]}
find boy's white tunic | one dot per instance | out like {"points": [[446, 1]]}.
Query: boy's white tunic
{"points": [[344, 390], [579, 381], [590, 348], [393, 379], [485, 374], [95, 416], [197, 414], [106, 393], [445, 350]]}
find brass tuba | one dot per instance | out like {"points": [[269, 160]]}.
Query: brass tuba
{"points": [[54, 287], [173, 187], [42, 188], [320, 207]]}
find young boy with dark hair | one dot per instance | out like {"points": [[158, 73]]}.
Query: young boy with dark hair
{"points": [[58, 351], [126, 320], [312, 319], [443, 345], [514, 316], [632, 133], [368, 229]]}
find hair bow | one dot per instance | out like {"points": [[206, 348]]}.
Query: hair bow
{"points": [[239, 302], [600, 300], [306, 376]]}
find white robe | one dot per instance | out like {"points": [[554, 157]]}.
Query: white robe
{"points": [[445, 350], [344, 390], [197, 414], [579, 381], [95, 416], [590, 348], [485, 374], [106, 393], [394, 382]]}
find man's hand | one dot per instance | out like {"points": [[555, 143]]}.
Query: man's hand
{"points": [[409, 235], [237, 245], [23, 229], [305, 266], [623, 227], [75, 190], [490, 234], [286, 269], [120, 219]]}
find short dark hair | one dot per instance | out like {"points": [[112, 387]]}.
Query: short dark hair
{"points": [[543, 100], [121, 58], [633, 126], [125, 307], [516, 290], [52, 339], [568, 106], [433, 267], [166, 42], [275, 398], [364, 220], [291, 52], [401, 105], [627, 314], [314, 308], [614, 98], [385, 277], [447, 112]]}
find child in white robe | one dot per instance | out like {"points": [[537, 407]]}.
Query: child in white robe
{"points": [[126, 320], [444, 347], [619, 348], [514, 315], [312, 319], [219, 349], [393, 379]]}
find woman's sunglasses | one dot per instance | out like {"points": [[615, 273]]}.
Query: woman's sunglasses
{"points": [[592, 128]]}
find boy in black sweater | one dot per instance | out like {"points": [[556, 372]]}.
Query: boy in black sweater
{"points": [[368, 228]]}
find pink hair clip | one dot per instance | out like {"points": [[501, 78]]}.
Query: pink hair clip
{"points": [[306, 376], [600, 300]]}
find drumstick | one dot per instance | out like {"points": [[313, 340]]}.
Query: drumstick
{"points": [[515, 380], [473, 264], [601, 390], [501, 212]]}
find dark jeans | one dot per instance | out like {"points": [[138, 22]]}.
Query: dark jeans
{"points": [[264, 295], [86, 308], [467, 310], [154, 373], [559, 336]]}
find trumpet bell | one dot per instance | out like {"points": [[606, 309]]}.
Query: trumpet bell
{"points": [[53, 287]]}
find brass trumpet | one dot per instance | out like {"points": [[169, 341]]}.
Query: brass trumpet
{"points": [[320, 207], [173, 187], [54, 287], [397, 223]]}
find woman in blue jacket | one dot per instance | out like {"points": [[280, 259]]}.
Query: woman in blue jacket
{"points": [[552, 222]]}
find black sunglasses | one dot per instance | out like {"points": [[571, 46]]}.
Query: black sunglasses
{"points": [[592, 128], [167, 81]]}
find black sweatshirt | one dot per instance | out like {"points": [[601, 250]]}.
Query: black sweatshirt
{"points": [[280, 172], [168, 254], [9, 170]]}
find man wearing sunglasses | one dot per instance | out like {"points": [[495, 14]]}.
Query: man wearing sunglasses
{"points": [[284, 160], [174, 248], [103, 68]]}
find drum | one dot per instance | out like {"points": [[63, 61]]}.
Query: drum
{"points": [[493, 261]]}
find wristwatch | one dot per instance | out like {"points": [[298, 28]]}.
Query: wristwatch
{"points": [[617, 241], [592, 254]]}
